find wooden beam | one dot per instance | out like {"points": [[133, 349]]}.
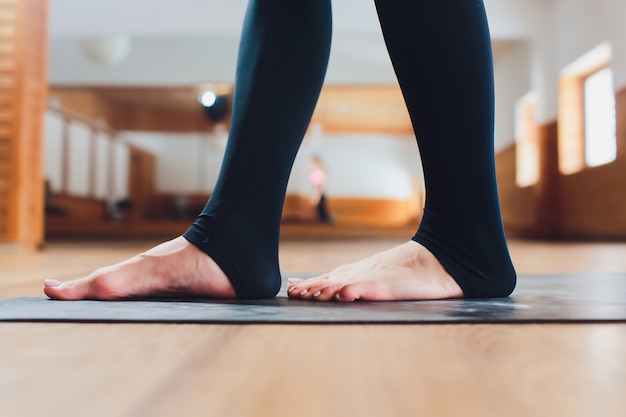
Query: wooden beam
{"points": [[23, 93]]}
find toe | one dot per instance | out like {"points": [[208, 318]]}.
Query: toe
{"points": [[306, 288], [314, 290], [93, 287], [70, 290], [328, 293], [298, 291], [318, 290]]}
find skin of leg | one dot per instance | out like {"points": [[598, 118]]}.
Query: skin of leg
{"points": [[406, 272], [175, 267]]}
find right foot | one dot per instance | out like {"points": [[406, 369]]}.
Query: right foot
{"points": [[406, 272], [176, 267]]}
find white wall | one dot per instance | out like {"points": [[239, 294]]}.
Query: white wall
{"points": [[564, 30], [185, 163], [365, 166], [155, 60], [361, 166], [191, 41], [53, 150], [581, 25], [78, 163], [512, 81], [614, 14]]}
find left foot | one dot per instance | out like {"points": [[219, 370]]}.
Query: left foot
{"points": [[406, 272], [175, 267]]}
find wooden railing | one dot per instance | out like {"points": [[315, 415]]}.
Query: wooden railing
{"points": [[94, 186], [93, 174]]}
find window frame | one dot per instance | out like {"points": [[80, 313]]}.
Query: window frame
{"points": [[571, 115]]}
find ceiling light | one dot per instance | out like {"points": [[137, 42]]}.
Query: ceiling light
{"points": [[106, 50], [207, 99]]}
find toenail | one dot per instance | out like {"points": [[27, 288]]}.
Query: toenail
{"points": [[304, 292], [317, 294], [52, 283]]}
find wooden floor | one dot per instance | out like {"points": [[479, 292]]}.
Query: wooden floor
{"points": [[118, 370]]}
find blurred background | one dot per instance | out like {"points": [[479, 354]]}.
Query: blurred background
{"points": [[104, 132]]}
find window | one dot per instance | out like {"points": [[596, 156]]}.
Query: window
{"points": [[587, 112], [600, 139], [527, 150]]}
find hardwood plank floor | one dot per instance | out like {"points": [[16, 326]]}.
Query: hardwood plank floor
{"points": [[308, 370]]}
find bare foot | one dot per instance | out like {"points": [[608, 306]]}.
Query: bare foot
{"points": [[406, 272], [173, 267]]}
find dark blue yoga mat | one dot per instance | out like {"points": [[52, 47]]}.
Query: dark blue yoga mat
{"points": [[537, 299]]}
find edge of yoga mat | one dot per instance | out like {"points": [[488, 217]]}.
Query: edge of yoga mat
{"points": [[555, 298]]}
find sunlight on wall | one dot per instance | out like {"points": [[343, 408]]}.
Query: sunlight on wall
{"points": [[587, 111], [600, 138], [527, 172]]}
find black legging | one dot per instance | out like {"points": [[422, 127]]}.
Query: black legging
{"points": [[441, 53]]}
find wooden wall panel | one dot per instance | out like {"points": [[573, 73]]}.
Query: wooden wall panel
{"points": [[362, 212], [347, 109], [531, 210], [517, 203], [589, 204], [8, 67], [142, 182], [23, 92], [81, 102], [548, 202], [370, 212], [340, 109], [159, 109], [130, 116], [595, 202], [76, 209], [594, 199]]}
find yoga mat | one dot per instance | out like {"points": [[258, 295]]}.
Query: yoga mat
{"points": [[537, 299]]}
